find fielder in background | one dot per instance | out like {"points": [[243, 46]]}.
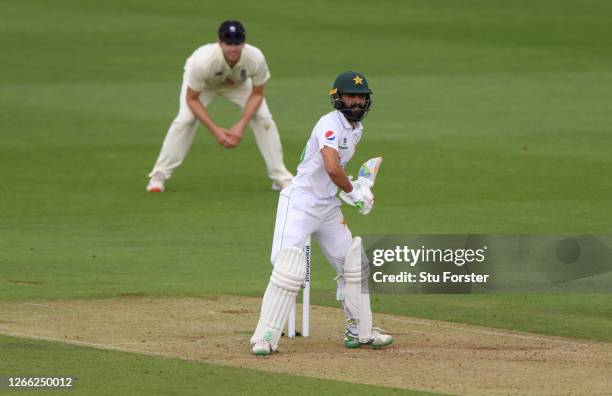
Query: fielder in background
{"points": [[236, 71], [310, 207]]}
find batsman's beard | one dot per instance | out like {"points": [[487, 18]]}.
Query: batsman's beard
{"points": [[354, 113]]}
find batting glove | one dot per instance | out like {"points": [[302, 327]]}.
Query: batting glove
{"points": [[361, 196]]}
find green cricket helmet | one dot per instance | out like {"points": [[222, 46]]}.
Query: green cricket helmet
{"points": [[351, 82]]}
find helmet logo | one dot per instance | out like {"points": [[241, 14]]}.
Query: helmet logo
{"points": [[358, 80], [333, 91]]}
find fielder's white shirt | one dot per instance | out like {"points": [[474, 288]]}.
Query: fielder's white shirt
{"points": [[207, 68], [333, 130]]}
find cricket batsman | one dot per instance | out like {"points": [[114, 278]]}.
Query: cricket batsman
{"points": [[236, 71], [310, 207]]}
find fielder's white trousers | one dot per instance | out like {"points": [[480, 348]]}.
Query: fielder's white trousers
{"points": [[301, 214], [182, 130]]}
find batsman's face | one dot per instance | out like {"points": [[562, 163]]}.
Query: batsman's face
{"points": [[352, 100], [231, 52], [355, 102]]}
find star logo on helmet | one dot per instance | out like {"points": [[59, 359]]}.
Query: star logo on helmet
{"points": [[358, 80]]}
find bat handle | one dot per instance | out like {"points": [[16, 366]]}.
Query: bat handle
{"points": [[359, 205]]}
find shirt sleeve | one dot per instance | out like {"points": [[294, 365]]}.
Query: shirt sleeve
{"points": [[261, 73], [326, 136], [196, 75]]}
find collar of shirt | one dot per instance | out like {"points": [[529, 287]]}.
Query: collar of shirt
{"points": [[346, 124], [225, 64]]}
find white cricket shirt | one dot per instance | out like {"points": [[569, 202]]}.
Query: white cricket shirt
{"points": [[207, 68], [332, 130]]}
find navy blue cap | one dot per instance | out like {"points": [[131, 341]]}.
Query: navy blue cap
{"points": [[232, 32]]}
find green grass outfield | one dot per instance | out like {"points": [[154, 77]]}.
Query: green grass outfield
{"points": [[492, 116]]}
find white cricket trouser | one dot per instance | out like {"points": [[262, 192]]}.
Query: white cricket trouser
{"points": [[182, 130], [300, 214]]}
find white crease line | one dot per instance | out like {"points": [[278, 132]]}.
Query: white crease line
{"points": [[490, 332]]}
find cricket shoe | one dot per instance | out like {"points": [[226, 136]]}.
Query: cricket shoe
{"points": [[351, 338], [156, 183], [262, 348], [378, 340]]}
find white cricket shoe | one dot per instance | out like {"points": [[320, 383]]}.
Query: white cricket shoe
{"points": [[156, 183], [379, 339], [262, 348]]}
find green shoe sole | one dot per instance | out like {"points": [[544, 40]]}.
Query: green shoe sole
{"points": [[350, 344]]}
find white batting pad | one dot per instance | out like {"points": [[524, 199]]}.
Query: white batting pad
{"points": [[356, 295], [287, 277]]}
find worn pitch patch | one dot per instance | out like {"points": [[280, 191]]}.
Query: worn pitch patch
{"points": [[426, 355]]}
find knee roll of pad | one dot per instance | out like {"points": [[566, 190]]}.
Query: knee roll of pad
{"points": [[356, 268], [352, 275], [289, 269], [353, 263]]}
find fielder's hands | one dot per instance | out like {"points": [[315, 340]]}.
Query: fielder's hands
{"points": [[361, 196], [224, 138], [237, 132]]}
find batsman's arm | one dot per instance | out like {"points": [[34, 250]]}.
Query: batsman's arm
{"points": [[334, 170], [198, 109]]}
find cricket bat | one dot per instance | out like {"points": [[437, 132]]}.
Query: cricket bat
{"points": [[369, 169]]}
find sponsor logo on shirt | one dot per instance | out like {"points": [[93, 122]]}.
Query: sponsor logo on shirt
{"points": [[329, 136], [344, 144]]}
